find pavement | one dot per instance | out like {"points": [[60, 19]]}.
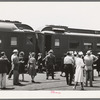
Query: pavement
{"points": [[59, 83]]}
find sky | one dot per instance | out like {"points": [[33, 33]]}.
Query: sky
{"points": [[83, 15]]}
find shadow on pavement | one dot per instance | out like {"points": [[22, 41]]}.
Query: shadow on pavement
{"points": [[50, 88], [20, 85], [54, 79], [23, 81], [7, 88], [96, 87], [37, 83], [33, 83]]}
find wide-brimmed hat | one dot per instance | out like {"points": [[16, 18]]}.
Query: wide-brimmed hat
{"points": [[80, 53], [15, 50], [2, 53], [88, 52], [51, 51], [69, 53], [39, 53], [98, 53], [75, 53]]}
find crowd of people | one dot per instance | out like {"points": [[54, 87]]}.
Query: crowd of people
{"points": [[78, 68], [18, 66]]}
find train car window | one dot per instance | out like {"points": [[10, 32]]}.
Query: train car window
{"points": [[88, 46], [57, 42], [74, 45], [98, 45], [13, 41], [29, 40]]}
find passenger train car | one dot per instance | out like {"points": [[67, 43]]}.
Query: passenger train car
{"points": [[15, 35], [62, 39]]}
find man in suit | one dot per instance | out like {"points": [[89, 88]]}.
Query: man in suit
{"points": [[12, 65]]}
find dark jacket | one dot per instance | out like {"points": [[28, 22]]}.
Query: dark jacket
{"points": [[3, 65], [50, 60]]}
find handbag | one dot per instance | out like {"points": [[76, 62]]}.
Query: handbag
{"points": [[26, 68]]}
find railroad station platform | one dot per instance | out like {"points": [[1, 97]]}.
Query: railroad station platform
{"points": [[59, 83]]}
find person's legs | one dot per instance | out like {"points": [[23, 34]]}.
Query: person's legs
{"points": [[41, 69], [90, 77], [71, 73], [15, 77], [67, 73], [75, 85], [87, 75], [0, 80], [62, 70], [82, 86], [93, 74], [32, 78], [22, 76], [67, 78], [52, 72], [4, 80], [47, 73]]}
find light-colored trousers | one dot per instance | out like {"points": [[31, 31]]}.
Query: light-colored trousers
{"points": [[2, 80], [89, 77]]}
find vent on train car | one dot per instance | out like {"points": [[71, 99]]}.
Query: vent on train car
{"points": [[58, 30]]}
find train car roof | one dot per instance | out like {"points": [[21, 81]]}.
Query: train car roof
{"points": [[61, 29], [14, 27], [71, 34], [54, 28], [82, 34], [50, 32], [7, 26]]}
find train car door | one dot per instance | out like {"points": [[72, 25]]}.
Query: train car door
{"points": [[48, 42]]}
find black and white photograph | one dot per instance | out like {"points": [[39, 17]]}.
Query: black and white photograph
{"points": [[49, 49]]}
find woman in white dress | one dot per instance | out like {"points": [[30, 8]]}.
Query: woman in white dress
{"points": [[79, 71]]}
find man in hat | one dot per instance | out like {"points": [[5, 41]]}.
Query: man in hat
{"points": [[88, 60], [50, 63], [15, 61], [68, 65], [12, 65]]}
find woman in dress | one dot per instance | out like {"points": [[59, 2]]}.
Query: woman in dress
{"points": [[79, 71], [21, 64], [32, 66]]}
